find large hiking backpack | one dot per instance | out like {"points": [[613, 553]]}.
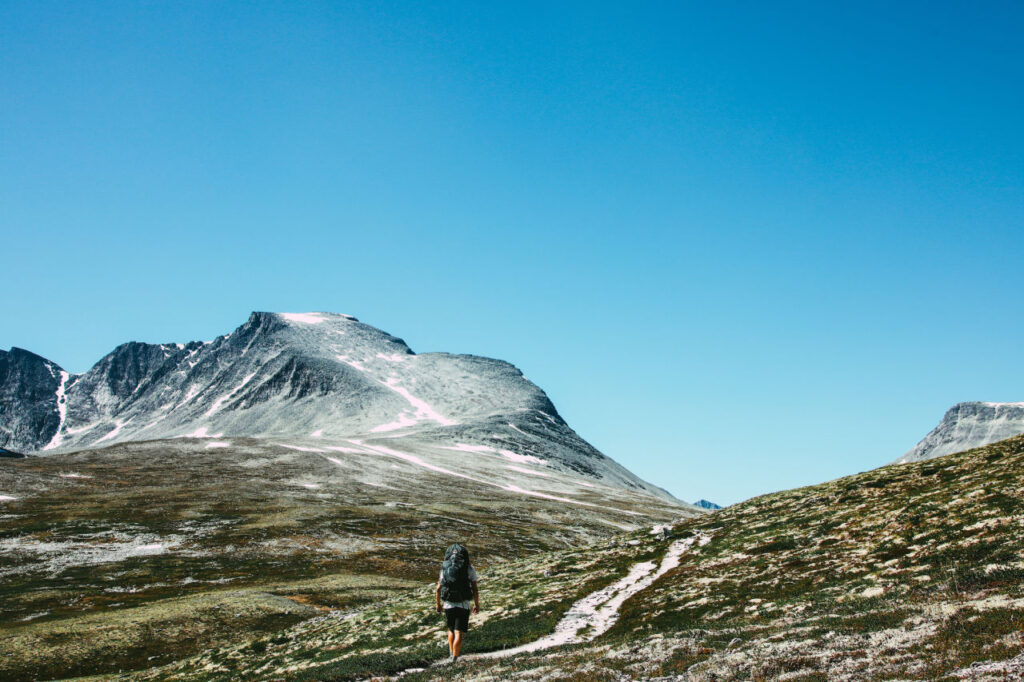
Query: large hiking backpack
{"points": [[455, 585]]}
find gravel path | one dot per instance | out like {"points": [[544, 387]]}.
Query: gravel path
{"points": [[594, 615]]}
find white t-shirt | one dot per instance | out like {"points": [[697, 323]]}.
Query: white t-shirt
{"points": [[468, 604]]}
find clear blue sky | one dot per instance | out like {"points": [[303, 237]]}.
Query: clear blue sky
{"points": [[743, 246]]}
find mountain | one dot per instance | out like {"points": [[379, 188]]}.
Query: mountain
{"points": [[312, 378], [706, 504], [30, 399], [969, 425], [301, 465]]}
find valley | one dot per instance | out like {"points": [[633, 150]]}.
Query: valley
{"points": [[273, 504], [212, 545]]}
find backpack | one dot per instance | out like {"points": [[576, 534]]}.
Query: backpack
{"points": [[455, 585]]}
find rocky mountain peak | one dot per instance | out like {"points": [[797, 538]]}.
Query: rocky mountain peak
{"points": [[969, 425], [28, 398], [297, 376]]}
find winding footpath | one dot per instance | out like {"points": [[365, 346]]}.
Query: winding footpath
{"points": [[595, 614]]}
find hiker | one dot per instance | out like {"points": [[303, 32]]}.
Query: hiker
{"points": [[455, 586]]}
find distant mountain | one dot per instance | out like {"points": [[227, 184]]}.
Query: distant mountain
{"points": [[317, 377], [969, 425], [30, 399], [705, 504]]}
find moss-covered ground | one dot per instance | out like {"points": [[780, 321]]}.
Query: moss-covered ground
{"points": [[909, 572], [142, 553]]}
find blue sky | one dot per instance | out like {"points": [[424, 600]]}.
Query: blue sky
{"points": [[743, 246]]}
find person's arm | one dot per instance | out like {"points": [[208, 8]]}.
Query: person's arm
{"points": [[437, 597], [476, 598]]}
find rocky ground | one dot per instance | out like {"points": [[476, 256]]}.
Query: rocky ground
{"points": [[140, 553], [907, 572]]}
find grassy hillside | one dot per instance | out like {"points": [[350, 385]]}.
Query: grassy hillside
{"points": [[907, 572], [142, 553]]}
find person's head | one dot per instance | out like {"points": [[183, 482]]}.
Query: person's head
{"points": [[457, 548]]}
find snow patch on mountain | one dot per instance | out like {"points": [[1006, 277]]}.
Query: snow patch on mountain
{"points": [[526, 459], [523, 470], [516, 489], [403, 421], [300, 448], [413, 459], [303, 318], [202, 432], [352, 363], [424, 412], [118, 425], [394, 357], [62, 411], [220, 401], [342, 448], [516, 428], [465, 447]]}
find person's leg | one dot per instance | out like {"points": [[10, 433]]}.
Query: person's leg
{"points": [[457, 643], [451, 621]]}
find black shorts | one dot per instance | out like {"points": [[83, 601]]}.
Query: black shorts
{"points": [[458, 619]]}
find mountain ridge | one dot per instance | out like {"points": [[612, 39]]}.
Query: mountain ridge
{"points": [[968, 425], [314, 376]]}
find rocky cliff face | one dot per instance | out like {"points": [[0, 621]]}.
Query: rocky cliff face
{"points": [[969, 425], [31, 399], [322, 377]]}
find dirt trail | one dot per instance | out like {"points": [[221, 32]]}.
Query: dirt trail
{"points": [[594, 615]]}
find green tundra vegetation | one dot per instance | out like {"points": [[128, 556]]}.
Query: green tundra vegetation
{"points": [[909, 571], [143, 553]]}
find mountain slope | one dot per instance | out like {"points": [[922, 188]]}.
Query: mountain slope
{"points": [[316, 376], [192, 538], [968, 425], [909, 572], [30, 399], [304, 464]]}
